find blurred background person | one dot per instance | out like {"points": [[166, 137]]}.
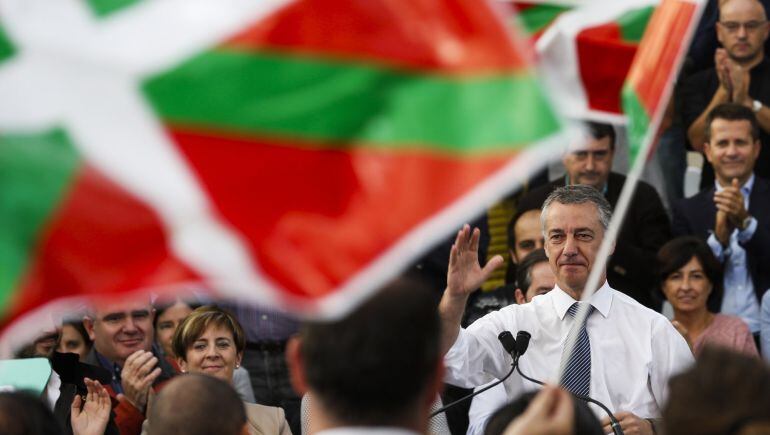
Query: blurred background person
{"points": [[722, 393], [691, 280], [74, 339], [211, 341], [197, 405]]}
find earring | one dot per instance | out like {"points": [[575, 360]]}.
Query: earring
{"points": [[237, 366]]}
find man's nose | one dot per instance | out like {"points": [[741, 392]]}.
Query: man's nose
{"points": [[590, 162], [570, 246]]}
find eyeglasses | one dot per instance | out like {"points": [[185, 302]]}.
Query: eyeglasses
{"points": [[750, 26]]}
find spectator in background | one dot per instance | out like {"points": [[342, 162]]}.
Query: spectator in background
{"points": [[690, 276], [74, 339], [734, 215], [198, 405], [524, 236], [723, 393], [211, 341], [646, 226], [741, 75], [377, 370], [123, 345]]}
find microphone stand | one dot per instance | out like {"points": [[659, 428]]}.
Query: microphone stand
{"points": [[462, 399], [616, 429]]}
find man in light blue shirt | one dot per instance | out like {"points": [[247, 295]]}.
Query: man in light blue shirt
{"points": [[734, 216]]}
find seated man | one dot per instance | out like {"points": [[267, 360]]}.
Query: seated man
{"points": [[625, 353], [645, 228], [122, 333], [733, 216], [379, 369]]}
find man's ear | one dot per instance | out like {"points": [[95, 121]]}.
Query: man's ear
{"points": [[707, 151], [520, 297], [296, 365], [88, 323]]}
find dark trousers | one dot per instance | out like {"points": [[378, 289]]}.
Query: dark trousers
{"points": [[270, 380]]}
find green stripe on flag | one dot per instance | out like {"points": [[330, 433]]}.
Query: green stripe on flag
{"points": [[6, 47], [538, 17], [315, 100], [35, 171], [103, 8], [634, 22], [638, 121]]}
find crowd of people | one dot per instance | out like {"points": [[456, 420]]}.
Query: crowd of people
{"points": [[586, 365]]}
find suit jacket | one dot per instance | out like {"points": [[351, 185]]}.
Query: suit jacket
{"points": [[645, 229], [127, 417], [266, 420], [697, 216]]}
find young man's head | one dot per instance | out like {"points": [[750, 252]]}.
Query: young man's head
{"points": [[732, 142], [379, 366], [533, 277], [524, 234], [120, 329], [742, 29], [196, 404], [590, 161], [574, 220]]}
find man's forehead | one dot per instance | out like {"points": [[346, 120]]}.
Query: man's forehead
{"points": [[750, 8], [107, 308], [589, 143], [528, 221], [568, 217]]}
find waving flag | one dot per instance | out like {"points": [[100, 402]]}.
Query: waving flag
{"points": [[297, 152]]}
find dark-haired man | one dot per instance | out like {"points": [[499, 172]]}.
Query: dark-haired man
{"points": [[733, 215], [646, 226], [377, 370]]}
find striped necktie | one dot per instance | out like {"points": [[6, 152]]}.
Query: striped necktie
{"points": [[577, 369]]}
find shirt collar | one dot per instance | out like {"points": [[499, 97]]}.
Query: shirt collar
{"points": [[745, 189], [601, 300]]}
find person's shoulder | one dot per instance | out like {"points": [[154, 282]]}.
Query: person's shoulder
{"points": [[262, 415], [535, 198], [726, 321], [701, 76], [628, 304]]}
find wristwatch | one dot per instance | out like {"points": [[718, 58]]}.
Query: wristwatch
{"points": [[756, 105]]}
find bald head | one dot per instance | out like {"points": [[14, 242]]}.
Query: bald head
{"points": [[196, 404]]}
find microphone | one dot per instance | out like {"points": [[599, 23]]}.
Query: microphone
{"points": [[509, 344], [522, 342]]}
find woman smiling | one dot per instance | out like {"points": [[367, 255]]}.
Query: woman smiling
{"points": [[211, 341], [691, 280]]}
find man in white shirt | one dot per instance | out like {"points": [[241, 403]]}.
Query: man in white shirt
{"points": [[632, 350]]}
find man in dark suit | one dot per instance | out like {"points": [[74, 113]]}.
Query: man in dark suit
{"points": [[733, 215], [645, 227]]}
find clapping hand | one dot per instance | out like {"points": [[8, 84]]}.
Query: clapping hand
{"points": [[139, 372], [89, 416]]}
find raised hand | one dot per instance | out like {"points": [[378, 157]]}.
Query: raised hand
{"points": [[90, 416], [137, 376], [465, 274]]}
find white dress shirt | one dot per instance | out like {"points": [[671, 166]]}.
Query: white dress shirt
{"points": [[634, 350]]}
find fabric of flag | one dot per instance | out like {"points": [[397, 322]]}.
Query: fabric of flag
{"points": [[657, 62], [300, 153], [586, 54], [534, 18]]}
